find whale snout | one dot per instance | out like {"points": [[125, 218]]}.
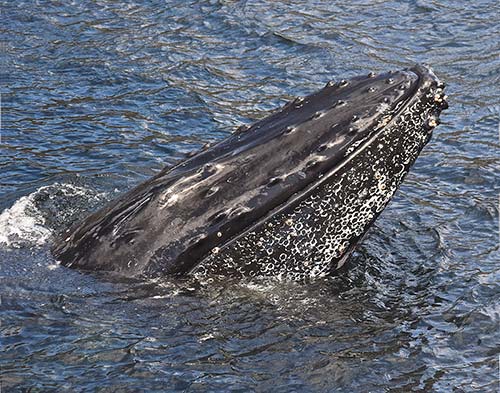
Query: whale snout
{"points": [[290, 195]]}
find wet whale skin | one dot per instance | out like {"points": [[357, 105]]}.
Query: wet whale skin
{"points": [[289, 196]]}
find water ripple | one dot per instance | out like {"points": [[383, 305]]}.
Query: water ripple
{"points": [[100, 95]]}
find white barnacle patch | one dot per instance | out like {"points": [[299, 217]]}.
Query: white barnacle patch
{"points": [[172, 199], [353, 147], [385, 120], [432, 122]]}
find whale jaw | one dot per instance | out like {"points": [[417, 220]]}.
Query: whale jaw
{"points": [[314, 233], [291, 195]]}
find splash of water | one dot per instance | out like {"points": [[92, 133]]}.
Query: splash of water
{"points": [[20, 226], [34, 218]]}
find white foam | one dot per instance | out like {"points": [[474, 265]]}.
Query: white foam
{"points": [[22, 224]]}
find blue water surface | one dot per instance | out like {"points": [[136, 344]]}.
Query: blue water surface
{"points": [[99, 95]]}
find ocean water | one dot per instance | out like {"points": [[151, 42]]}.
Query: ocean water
{"points": [[99, 95]]}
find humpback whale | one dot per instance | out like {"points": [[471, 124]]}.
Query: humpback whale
{"points": [[289, 196]]}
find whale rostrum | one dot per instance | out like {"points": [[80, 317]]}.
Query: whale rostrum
{"points": [[290, 195]]}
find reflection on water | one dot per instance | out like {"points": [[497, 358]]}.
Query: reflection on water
{"points": [[100, 95]]}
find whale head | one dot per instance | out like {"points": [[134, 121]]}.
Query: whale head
{"points": [[290, 195]]}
